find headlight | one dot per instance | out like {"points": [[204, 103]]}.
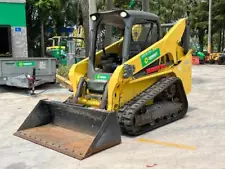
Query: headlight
{"points": [[123, 14], [93, 18]]}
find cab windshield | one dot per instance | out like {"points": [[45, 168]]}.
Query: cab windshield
{"points": [[109, 30]]}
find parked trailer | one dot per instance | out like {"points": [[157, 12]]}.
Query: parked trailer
{"points": [[18, 72], [16, 68]]}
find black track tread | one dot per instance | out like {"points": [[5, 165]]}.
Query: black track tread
{"points": [[127, 111]]}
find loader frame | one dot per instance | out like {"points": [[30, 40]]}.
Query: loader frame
{"points": [[174, 45], [144, 92]]}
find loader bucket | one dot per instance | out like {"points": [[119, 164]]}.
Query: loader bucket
{"points": [[75, 131]]}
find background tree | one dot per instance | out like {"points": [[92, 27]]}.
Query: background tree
{"points": [[85, 23], [45, 9], [199, 21], [55, 14], [44, 14]]}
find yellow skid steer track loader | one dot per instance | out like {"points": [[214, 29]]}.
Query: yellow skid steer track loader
{"points": [[133, 85]]}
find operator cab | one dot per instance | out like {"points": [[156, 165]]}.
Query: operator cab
{"points": [[139, 30], [56, 41], [133, 31]]}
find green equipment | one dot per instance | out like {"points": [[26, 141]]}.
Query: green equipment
{"points": [[198, 52], [67, 50], [132, 4], [57, 48], [201, 56]]}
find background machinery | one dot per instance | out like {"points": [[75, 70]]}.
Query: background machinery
{"points": [[199, 56], [131, 86], [67, 49], [216, 57], [75, 50], [221, 59], [56, 48]]}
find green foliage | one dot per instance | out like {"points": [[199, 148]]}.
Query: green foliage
{"points": [[170, 10], [127, 4], [44, 5], [54, 13], [59, 13], [63, 71], [199, 22]]}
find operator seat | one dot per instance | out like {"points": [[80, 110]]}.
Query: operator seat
{"points": [[135, 48]]}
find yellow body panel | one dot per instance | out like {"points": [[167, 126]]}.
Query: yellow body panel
{"points": [[55, 46], [121, 90], [214, 56], [79, 32], [89, 102], [184, 71], [167, 45], [76, 72]]}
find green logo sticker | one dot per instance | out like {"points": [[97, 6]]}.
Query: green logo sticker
{"points": [[25, 63], [149, 56], [101, 77]]}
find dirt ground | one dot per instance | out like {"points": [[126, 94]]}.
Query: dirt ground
{"points": [[196, 141]]}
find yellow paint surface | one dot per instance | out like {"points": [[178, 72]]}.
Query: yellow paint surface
{"points": [[167, 144]]}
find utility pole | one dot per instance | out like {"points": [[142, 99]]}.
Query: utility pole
{"points": [[42, 39], [88, 7], [92, 9], [108, 31], [78, 11], [145, 5], [209, 29]]}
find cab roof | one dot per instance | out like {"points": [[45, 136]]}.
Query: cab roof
{"points": [[132, 13]]}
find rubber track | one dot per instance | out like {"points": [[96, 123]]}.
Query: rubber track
{"points": [[127, 112]]}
